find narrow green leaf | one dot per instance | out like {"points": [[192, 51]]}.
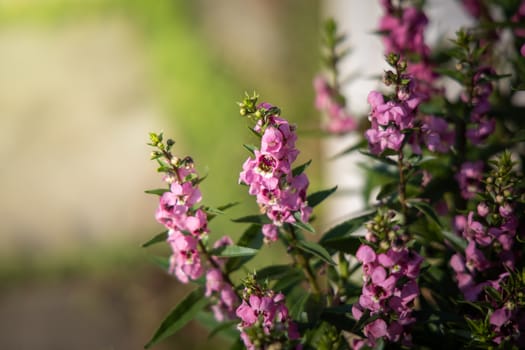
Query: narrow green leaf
{"points": [[291, 279], [250, 148], [426, 209], [345, 229], [254, 219], [228, 206], [273, 272], [227, 328], [316, 250], [458, 241], [350, 149], [230, 251], [159, 237], [157, 191], [252, 238], [301, 168], [387, 190], [180, 316], [162, 261], [298, 305], [302, 225], [316, 198], [382, 159]]}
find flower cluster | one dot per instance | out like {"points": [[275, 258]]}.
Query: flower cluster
{"points": [[331, 103], [490, 233], [265, 320], [216, 286], [403, 30], [280, 194], [481, 125], [186, 225], [519, 17], [390, 286], [390, 118], [469, 178]]}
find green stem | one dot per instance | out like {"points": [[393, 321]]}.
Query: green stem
{"points": [[304, 262], [402, 184]]}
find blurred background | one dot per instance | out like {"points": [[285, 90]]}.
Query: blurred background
{"points": [[82, 82]]}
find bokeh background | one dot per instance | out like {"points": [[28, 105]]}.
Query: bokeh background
{"points": [[82, 82]]}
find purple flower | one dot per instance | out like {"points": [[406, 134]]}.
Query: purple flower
{"points": [[269, 175], [469, 178], [267, 311]]}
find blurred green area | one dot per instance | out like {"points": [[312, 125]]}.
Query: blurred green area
{"points": [[198, 85]]}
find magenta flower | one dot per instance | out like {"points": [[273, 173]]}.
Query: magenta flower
{"points": [[265, 310], [269, 175], [338, 120]]}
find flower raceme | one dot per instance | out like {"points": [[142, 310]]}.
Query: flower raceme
{"points": [[389, 284], [265, 320], [279, 193], [339, 121], [187, 225]]}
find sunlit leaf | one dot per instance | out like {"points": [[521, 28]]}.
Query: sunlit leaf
{"points": [[229, 251], [301, 168], [157, 191], [254, 219], [316, 250], [180, 316], [159, 237], [316, 198]]}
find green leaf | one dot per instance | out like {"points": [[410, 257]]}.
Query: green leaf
{"points": [[157, 191], [301, 168], [225, 327], [316, 250], [451, 73], [298, 305], [316, 198], [345, 229], [387, 190], [426, 209], [351, 149], [252, 238], [458, 241], [254, 219], [250, 148], [273, 272], [159, 237], [161, 261], [383, 159], [302, 225], [228, 206], [230, 251], [180, 316], [292, 278]]}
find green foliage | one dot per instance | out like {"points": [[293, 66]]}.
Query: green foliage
{"points": [[180, 316]]}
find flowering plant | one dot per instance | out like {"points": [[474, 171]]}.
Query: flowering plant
{"points": [[435, 260]]}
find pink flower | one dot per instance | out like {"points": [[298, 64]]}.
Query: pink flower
{"points": [[365, 254], [376, 329], [270, 232], [270, 178], [328, 101]]}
